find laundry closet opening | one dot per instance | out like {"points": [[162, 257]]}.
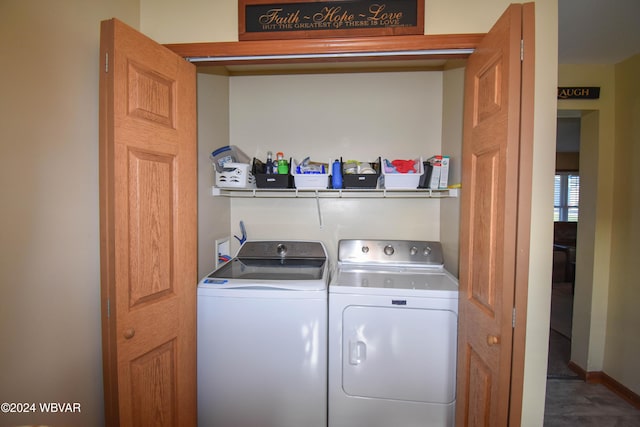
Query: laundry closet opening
{"points": [[357, 110]]}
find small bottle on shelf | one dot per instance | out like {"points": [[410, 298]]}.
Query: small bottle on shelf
{"points": [[336, 175], [283, 165], [269, 164]]}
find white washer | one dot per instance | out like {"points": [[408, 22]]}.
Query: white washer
{"points": [[393, 316], [262, 338]]}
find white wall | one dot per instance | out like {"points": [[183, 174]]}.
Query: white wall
{"points": [[452, 117], [49, 235], [357, 116], [360, 115], [213, 132]]}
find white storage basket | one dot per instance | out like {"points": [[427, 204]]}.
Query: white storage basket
{"points": [[312, 181], [235, 175], [402, 181]]}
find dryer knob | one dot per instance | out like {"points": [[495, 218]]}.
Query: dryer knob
{"points": [[365, 249], [281, 249], [388, 250], [413, 250], [427, 251]]}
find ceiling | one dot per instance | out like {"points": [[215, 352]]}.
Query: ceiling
{"points": [[598, 31], [593, 32]]}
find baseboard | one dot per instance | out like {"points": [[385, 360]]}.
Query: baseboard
{"points": [[599, 377], [582, 374]]}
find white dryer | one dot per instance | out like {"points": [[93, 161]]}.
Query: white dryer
{"points": [[393, 318]]}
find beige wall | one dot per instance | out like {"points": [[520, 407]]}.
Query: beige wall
{"points": [[593, 252], [189, 21], [49, 237], [539, 292], [49, 271], [622, 350], [605, 317]]}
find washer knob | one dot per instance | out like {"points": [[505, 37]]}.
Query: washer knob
{"points": [[365, 249], [413, 250], [427, 251], [388, 250]]}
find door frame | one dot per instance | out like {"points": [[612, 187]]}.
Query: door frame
{"points": [[523, 243], [219, 53]]}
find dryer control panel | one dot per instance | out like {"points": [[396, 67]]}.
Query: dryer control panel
{"points": [[410, 253]]}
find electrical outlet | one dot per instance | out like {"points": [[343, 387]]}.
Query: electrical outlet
{"points": [[222, 251]]}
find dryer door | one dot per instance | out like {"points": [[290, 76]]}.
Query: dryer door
{"points": [[399, 353]]}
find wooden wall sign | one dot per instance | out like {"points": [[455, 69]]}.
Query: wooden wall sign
{"points": [[578, 92], [297, 19]]}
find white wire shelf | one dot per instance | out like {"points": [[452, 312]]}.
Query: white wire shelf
{"points": [[334, 194]]}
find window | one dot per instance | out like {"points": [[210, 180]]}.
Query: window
{"points": [[566, 196]]}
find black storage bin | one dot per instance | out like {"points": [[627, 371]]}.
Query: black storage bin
{"points": [[270, 180], [361, 180]]}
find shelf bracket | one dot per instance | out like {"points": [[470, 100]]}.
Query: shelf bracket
{"points": [[319, 211]]}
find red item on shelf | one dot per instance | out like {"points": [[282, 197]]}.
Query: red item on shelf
{"points": [[404, 166]]}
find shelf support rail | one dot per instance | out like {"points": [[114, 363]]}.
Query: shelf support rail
{"points": [[319, 210]]}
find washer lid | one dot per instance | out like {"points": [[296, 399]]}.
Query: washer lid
{"points": [[274, 264], [271, 266]]}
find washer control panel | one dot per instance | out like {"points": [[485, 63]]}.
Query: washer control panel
{"points": [[274, 249]]}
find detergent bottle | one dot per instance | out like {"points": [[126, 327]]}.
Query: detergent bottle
{"points": [[336, 175], [283, 166]]}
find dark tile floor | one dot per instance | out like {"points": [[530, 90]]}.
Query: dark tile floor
{"points": [[570, 401], [573, 402]]}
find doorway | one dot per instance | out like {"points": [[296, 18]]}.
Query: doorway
{"points": [[566, 215]]}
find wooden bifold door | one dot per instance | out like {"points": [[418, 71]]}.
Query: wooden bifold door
{"points": [[148, 228]]}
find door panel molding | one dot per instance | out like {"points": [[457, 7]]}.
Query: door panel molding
{"points": [[151, 95], [151, 234]]}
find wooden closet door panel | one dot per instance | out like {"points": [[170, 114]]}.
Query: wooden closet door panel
{"points": [[489, 225], [148, 230]]}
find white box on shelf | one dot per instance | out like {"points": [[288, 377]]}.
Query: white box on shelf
{"points": [[444, 173], [436, 168], [311, 181], [235, 175], [402, 181], [440, 172]]}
